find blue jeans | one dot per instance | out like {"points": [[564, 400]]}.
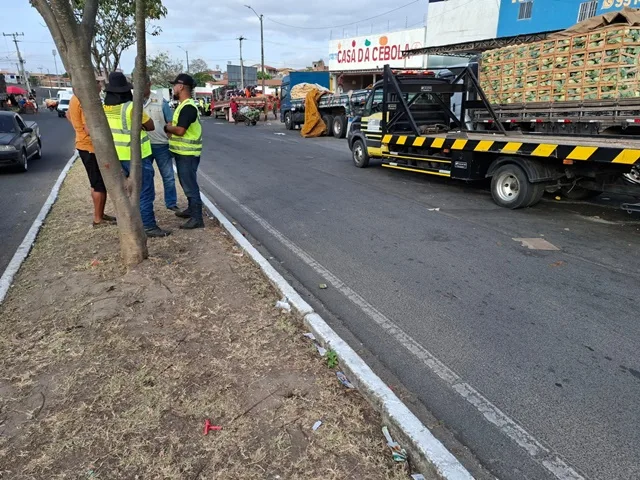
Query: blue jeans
{"points": [[187, 166], [148, 192], [163, 159]]}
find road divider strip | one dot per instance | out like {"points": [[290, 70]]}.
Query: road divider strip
{"points": [[27, 243]]}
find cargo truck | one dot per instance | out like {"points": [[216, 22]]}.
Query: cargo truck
{"points": [[423, 123], [336, 109]]}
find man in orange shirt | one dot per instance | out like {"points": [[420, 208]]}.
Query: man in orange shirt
{"points": [[88, 156]]}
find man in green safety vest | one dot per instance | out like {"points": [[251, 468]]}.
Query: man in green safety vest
{"points": [[118, 107], [185, 143]]}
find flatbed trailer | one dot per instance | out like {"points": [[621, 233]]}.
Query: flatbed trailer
{"points": [[410, 122]]}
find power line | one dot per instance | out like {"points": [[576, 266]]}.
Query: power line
{"points": [[345, 24]]}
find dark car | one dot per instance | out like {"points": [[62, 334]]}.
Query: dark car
{"points": [[19, 141]]}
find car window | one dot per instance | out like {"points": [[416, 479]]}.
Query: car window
{"points": [[20, 123], [374, 103], [6, 124], [64, 102]]}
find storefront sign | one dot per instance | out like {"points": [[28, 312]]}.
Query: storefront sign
{"points": [[371, 52]]}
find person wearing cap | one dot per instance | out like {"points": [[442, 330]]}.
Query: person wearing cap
{"points": [[118, 106], [185, 143], [157, 108]]}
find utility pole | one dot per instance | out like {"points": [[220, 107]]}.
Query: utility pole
{"points": [[264, 73], [20, 59], [187, 52], [55, 62], [241, 39]]}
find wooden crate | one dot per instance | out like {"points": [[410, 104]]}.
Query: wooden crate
{"points": [[589, 66]]}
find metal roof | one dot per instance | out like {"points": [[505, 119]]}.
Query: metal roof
{"points": [[469, 49]]}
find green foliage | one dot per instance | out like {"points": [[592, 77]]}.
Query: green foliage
{"points": [[163, 69], [198, 65], [34, 81], [264, 75], [332, 359], [202, 78], [116, 29]]}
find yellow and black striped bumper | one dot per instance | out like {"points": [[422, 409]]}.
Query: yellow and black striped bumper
{"points": [[602, 154]]}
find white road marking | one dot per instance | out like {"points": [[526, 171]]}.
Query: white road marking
{"points": [[536, 244], [548, 459]]}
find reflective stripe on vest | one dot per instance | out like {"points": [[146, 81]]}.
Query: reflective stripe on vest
{"points": [[122, 134], [191, 142]]}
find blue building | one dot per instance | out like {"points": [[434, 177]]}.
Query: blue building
{"points": [[530, 16]]}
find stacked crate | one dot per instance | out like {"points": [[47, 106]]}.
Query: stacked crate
{"points": [[599, 65]]}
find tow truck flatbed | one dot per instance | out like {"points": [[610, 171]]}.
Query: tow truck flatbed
{"points": [[411, 123]]}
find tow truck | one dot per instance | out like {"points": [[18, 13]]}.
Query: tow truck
{"points": [[425, 122]]}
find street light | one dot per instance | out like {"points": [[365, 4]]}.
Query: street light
{"points": [[187, 52], [264, 92]]}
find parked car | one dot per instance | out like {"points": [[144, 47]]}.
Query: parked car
{"points": [[19, 141]]}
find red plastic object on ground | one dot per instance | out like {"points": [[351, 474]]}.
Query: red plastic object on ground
{"points": [[208, 427]]}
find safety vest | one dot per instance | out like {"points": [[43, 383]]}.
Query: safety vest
{"points": [[191, 142], [121, 133]]}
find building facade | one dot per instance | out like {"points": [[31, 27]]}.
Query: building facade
{"points": [[457, 21], [531, 16]]}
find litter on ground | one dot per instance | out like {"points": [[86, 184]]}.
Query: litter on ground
{"points": [[316, 425], [399, 453], [344, 380], [283, 305]]}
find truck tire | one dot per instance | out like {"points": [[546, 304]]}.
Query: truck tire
{"points": [[359, 154], [340, 126], [288, 121], [510, 188], [328, 121], [578, 193]]}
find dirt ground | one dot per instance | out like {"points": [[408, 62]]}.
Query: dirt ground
{"points": [[110, 374]]}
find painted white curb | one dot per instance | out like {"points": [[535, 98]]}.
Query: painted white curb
{"points": [[25, 247], [445, 464]]}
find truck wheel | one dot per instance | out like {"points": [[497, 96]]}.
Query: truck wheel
{"points": [[511, 188], [360, 154], [578, 193], [340, 126], [328, 121], [288, 121]]}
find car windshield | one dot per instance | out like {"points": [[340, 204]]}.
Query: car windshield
{"points": [[6, 124], [64, 102]]}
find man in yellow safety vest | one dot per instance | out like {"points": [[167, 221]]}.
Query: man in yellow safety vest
{"points": [[118, 106], [185, 143]]}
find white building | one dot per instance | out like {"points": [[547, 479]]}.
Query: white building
{"points": [[459, 21]]}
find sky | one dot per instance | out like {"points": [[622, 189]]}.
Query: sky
{"points": [[296, 32]]}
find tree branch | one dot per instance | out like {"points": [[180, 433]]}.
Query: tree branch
{"points": [[89, 18]]}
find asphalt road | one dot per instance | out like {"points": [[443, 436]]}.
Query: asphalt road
{"points": [[23, 194], [528, 357]]}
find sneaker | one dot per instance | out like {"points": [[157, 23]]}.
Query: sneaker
{"points": [[108, 218], [183, 213], [157, 232], [192, 223], [175, 208]]}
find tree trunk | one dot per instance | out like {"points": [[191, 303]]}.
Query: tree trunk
{"points": [[139, 82], [74, 44]]}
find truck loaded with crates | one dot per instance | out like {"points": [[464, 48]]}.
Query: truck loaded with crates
{"points": [[424, 123], [583, 80]]}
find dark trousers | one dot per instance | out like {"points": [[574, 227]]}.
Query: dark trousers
{"points": [[187, 166]]}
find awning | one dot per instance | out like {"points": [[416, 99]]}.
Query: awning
{"points": [[13, 90], [470, 49]]}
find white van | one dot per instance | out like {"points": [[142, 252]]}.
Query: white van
{"points": [[63, 103]]}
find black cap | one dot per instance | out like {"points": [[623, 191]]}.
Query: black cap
{"points": [[184, 79], [118, 83]]}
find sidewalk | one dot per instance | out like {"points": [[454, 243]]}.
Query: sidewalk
{"points": [[109, 373]]}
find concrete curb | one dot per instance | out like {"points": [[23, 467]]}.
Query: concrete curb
{"points": [[27, 243], [417, 438]]}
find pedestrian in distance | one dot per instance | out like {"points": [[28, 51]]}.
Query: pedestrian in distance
{"points": [[84, 145], [185, 143], [118, 106], [158, 109], [233, 106]]}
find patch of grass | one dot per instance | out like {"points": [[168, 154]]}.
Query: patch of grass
{"points": [[332, 358], [110, 373]]}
